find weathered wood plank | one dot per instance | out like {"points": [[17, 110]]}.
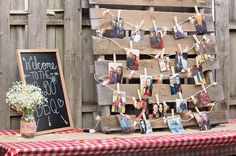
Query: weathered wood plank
{"points": [[5, 76], [103, 46], [17, 4], [111, 123], [88, 120], [172, 3], [98, 20], [73, 57], [105, 94], [37, 24], [222, 36], [152, 66]]}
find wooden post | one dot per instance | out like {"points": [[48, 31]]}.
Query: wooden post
{"points": [[37, 24], [5, 60], [222, 37], [73, 57]]}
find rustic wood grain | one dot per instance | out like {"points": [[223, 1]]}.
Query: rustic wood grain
{"points": [[73, 57], [98, 20], [111, 123], [5, 63], [37, 24], [172, 3]]}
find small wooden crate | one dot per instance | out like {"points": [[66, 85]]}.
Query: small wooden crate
{"points": [[162, 12]]}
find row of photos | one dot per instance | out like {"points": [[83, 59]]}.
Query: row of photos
{"points": [[203, 48]]}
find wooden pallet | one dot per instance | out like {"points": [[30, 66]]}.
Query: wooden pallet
{"points": [[163, 12]]}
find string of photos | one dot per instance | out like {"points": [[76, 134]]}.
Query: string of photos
{"points": [[205, 49]]}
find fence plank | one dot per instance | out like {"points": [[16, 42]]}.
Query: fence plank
{"points": [[172, 3], [152, 66], [105, 47], [37, 24], [73, 57], [98, 20], [105, 94], [5, 63], [222, 36]]}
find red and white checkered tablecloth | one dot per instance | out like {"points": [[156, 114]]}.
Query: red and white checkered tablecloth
{"points": [[139, 145]]}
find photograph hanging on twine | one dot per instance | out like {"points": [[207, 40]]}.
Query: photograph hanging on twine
{"points": [[200, 24], [117, 28], [203, 121], [181, 106], [142, 107], [146, 85], [119, 100], [126, 124], [204, 99], [181, 63], [178, 31], [132, 59], [175, 124], [164, 64], [115, 73], [159, 111], [197, 75], [175, 84], [156, 38]]}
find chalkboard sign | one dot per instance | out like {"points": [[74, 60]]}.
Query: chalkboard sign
{"points": [[42, 67]]}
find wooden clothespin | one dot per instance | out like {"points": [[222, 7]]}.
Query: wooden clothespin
{"points": [[175, 20], [196, 9], [134, 101], [141, 24], [203, 87], [197, 62], [145, 72], [196, 39], [118, 14], [144, 116], [139, 95], [194, 100], [197, 110], [118, 88], [173, 113], [180, 96], [161, 77], [114, 58], [189, 73], [162, 53], [158, 54], [165, 106], [131, 44], [154, 25], [157, 99], [180, 48], [105, 12], [172, 70], [131, 74]]}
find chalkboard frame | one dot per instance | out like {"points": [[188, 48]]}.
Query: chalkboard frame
{"points": [[22, 78]]}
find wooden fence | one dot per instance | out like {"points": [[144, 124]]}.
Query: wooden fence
{"points": [[64, 24]]}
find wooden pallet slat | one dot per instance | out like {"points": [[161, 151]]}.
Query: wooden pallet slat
{"points": [[151, 3], [98, 20]]}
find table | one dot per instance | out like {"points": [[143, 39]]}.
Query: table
{"points": [[218, 141]]}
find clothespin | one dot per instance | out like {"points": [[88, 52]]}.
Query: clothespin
{"points": [[189, 73], [197, 62], [105, 12], [175, 20], [162, 53], [173, 113], [134, 101], [164, 31], [157, 99], [165, 106], [145, 72], [180, 48], [144, 117], [118, 14], [173, 70], [118, 88], [161, 77], [197, 110], [180, 96], [139, 95], [105, 82], [203, 87], [131, 44], [141, 24], [196, 9], [186, 49], [206, 39], [194, 100], [114, 58], [157, 55], [154, 25], [131, 74], [196, 39]]}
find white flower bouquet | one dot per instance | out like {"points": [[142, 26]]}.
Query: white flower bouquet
{"points": [[25, 98]]}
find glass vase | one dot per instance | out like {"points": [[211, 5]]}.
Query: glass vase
{"points": [[27, 125]]}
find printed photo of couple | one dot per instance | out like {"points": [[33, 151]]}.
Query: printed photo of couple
{"points": [[118, 28], [159, 111], [181, 63], [197, 75], [142, 107], [156, 38], [164, 64], [181, 106], [132, 59], [203, 121], [178, 31], [175, 84], [115, 73], [146, 85], [204, 99], [175, 124], [118, 102]]}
